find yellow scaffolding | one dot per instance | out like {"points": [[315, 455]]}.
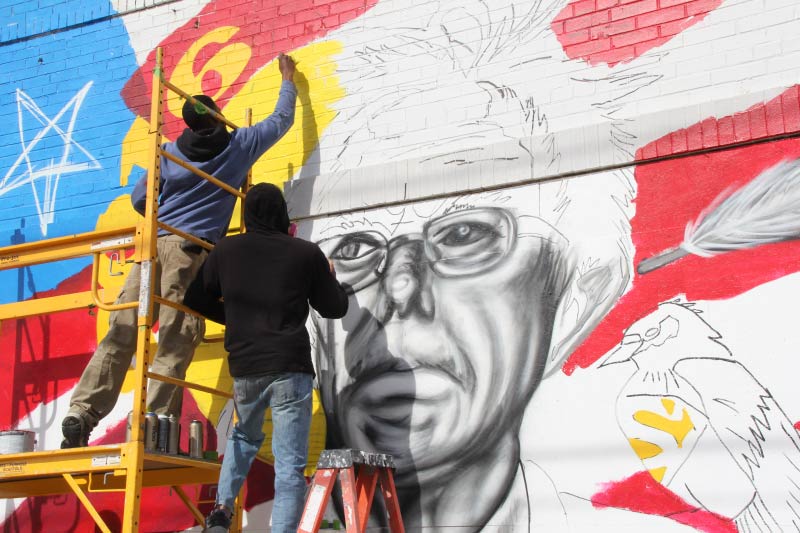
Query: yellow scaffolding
{"points": [[125, 467]]}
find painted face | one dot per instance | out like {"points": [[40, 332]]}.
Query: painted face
{"points": [[449, 325]]}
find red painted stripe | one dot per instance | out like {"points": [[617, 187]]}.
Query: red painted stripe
{"points": [[616, 31], [643, 494], [672, 193], [42, 357]]}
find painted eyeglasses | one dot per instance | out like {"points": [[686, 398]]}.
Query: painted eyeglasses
{"points": [[457, 244]]}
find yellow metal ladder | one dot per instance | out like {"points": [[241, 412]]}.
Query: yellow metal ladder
{"points": [[128, 466]]}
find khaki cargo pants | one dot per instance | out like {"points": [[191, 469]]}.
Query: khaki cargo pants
{"points": [[178, 335]]}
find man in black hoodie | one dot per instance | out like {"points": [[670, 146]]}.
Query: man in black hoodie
{"points": [[260, 284]]}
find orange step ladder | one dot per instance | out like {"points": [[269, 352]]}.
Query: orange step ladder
{"points": [[359, 474]]}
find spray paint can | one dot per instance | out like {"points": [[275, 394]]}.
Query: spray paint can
{"points": [[128, 429], [196, 439], [163, 433], [174, 435], [150, 432]]}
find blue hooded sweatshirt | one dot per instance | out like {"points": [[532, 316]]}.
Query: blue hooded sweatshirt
{"points": [[191, 203]]}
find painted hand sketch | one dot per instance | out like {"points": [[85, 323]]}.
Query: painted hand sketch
{"points": [[697, 418], [765, 210], [460, 309], [44, 158]]}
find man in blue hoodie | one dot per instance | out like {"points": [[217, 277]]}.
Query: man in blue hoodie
{"points": [[193, 205]]}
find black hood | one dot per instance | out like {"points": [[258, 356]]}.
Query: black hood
{"points": [[204, 145], [265, 209]]}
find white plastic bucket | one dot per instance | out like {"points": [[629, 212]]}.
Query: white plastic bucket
{"points": [[17, 441]]}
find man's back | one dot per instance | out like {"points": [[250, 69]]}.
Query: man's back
{"points": [[195, 205], [267, 280]]}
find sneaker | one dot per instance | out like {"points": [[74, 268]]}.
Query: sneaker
{"points": [[217, 521], [75, 431]]}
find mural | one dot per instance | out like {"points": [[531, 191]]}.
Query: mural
{"points": [[59, 158], [693, 414], [600, 352], [462, 306]]}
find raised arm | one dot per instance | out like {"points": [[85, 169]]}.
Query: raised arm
{"points": [[270, 130], [204, 293]]}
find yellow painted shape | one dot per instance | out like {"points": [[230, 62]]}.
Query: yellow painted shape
{"points": [[135, 149], [668, 404], [318, 89], [658, 473], [677, 428], [210, 368], [645, 449], [229, 62]]}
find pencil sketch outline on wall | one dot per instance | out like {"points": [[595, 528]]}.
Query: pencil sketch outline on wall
{"points": [[49, 172], [390, 260], [695, 416], [488, 139], [394, 254]]}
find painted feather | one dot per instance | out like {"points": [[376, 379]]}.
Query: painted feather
{"points": [[765, 210]]}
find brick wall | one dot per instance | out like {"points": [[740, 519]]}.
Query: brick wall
{"points": [[522, 119]]}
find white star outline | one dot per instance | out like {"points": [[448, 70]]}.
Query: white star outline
{"points": [[52, 171]]}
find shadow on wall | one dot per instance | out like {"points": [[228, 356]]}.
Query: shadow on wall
{"points": [[374, 382], [310, 142]]}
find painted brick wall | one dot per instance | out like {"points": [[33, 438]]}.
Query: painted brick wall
{"points": [[615, 31], [501, 283]]}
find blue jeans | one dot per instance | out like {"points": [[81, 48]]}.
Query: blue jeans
{"points": [[289, 396]]}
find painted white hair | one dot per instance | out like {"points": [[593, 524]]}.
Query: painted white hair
{"points": [[442, 85]]}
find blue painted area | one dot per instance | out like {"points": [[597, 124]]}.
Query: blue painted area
{"points": [[24, 18], [80, 74]]}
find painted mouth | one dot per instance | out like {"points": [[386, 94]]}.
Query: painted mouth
{"points": [[385, 390]]}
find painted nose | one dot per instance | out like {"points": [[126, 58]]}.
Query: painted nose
{"points": [[406, 281]]}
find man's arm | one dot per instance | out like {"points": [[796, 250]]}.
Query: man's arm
{"points": [[327, 295], [139, 194], [204, 294], [270, 130]]}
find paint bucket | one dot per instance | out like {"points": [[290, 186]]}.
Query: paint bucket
{"points": [[17, 441]]}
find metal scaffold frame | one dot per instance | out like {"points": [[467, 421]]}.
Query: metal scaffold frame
{"points": [[125, 467]]}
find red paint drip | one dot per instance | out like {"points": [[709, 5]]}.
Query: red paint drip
{"points": [[641, 493], [672, 193]]}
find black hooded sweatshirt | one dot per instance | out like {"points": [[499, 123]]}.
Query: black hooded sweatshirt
{"points": [[266, 279]]}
